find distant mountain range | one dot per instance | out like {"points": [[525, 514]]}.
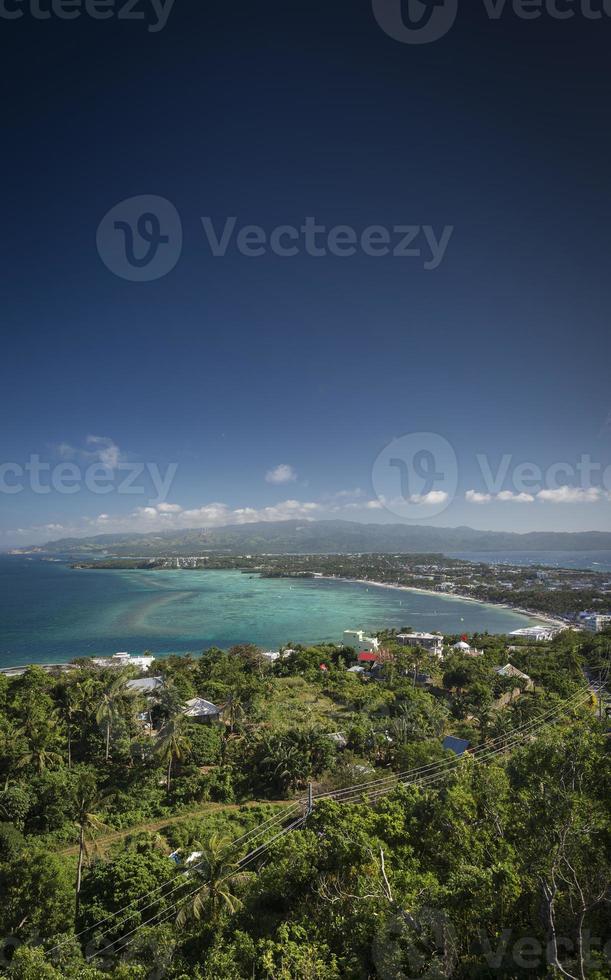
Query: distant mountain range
{"points": [[324, 537]]}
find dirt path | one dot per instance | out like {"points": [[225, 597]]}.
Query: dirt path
{"points": [[106, 841]]}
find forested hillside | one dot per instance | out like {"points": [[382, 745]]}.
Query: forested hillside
{"points": [[318, 827], [326, 537]]}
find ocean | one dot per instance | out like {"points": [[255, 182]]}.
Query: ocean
{"points": [[594, 561], [50, 613]]}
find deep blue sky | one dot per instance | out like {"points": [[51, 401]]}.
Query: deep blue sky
{"points": [[232, 366]]}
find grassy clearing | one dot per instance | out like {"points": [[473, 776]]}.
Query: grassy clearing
{"points": [[104, 842], [293, 703]]}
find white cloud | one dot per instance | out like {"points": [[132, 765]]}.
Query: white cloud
{"points": [[287, 510], [349, 494], [432, 499], [475, 497], [283, 473], [515, 498], [573, 495], [561, 495], [100, 449], [216, 514], [106, 451], [376, 504]]}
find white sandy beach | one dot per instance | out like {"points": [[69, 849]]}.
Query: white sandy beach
{"points": [[541, 617]]}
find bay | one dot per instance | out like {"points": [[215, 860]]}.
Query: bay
{"points": [[50, 613]]}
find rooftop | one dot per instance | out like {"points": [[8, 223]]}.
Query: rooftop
{"points": [[198, 707], [145, 685], [456, 745]]}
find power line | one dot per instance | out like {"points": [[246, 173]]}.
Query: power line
{"points": [[450, 762], [373, 790], [257, 832], [248, 859], [430, 779]]}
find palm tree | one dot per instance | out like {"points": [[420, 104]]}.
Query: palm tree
{"points": [[236, 710], [68, 697], [12, 747], [221, 873], [88, 800], [40, 751], [284, 763], [113, 702], [173, 744]]}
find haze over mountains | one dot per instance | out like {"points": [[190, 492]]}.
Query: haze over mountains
{"points": [[320, 537]]}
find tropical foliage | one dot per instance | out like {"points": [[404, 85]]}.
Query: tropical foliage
{"points": [[136, 843]]}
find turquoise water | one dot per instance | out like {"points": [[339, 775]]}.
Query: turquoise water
{"points": [[50, 613]]}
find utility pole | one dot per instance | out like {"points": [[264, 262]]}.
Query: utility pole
{"points": [[310, 800]]}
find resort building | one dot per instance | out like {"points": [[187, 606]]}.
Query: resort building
{"points": [[124, 660], [431, 642], [538, 633], [354, 638], [596, 622]]}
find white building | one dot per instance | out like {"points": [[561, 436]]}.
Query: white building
{"points": [[124, 660], [467, 649], [365, 643], [538, 633], [596, 622], [431, 642], [271, 656]]}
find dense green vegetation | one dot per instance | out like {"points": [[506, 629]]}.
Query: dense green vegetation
{"points": [[491, 864]]}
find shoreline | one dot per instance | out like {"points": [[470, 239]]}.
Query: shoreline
{"points": [[543, 617], [62, 666]]}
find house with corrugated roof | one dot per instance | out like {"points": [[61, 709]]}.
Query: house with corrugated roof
{"points": [[200, 710]]}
